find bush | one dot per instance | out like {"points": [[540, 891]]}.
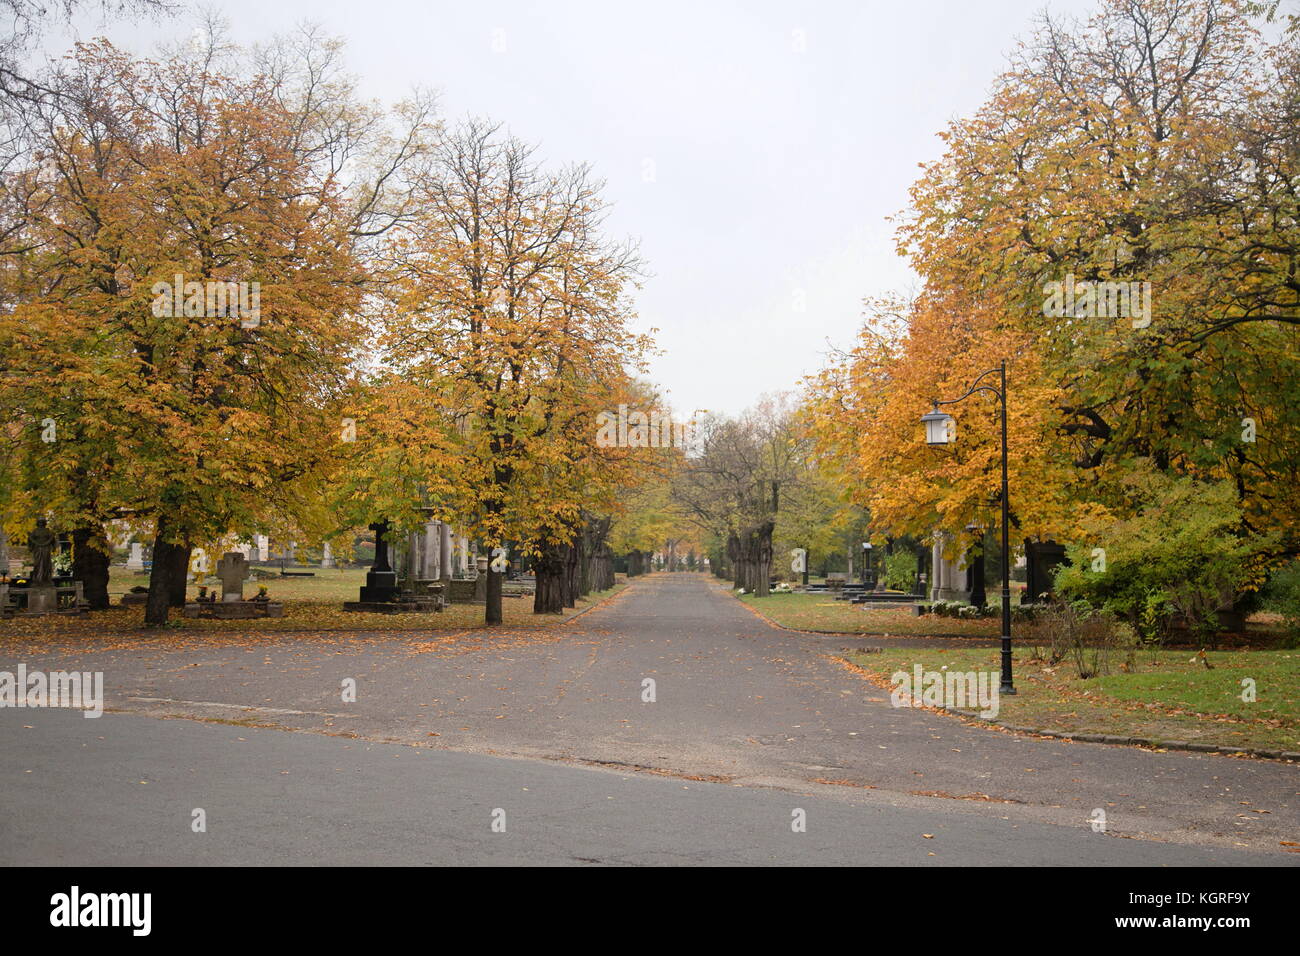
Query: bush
{"points": [[1084, 635], [1022, 613], [1182, 555], [899, 571], [1282, 596]]}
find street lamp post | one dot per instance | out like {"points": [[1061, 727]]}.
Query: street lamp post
{"points": [[940, 430]]}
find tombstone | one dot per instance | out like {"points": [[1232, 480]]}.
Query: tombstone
{"points": [[1042, 558], [480, 583], [414, 558], [327, 556], [444, 551], [263, 548], [381, 579], [949, 579], [431, 566], [462, 568], [975, 576], [246, 550], [136, 561], [232, 569]]}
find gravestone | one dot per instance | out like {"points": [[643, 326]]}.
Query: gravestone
{"points": [[381, 579], [327, 556], [444, 551], [263, 548], [381, 592], [949, 580], [480, 583], [41, 595], [232, 569], [136, 561], [1042, 558]]}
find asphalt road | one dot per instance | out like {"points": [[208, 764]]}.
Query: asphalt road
{"points": [[748, 723], [123, 790]]}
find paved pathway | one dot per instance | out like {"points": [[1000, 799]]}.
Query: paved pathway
{"points": [[737, 702], [127, 794]]}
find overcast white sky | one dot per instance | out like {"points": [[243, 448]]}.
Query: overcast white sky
{"points": [[755, 149]]}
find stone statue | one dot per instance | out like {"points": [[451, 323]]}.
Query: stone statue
{"points": [[41, 543]]}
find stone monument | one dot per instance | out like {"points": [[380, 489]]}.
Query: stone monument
{"points": [[381, 579], [381, 593], [232, 569], [42, 598]]}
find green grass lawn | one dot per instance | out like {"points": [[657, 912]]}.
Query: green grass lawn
{"points": [[313, 603], [327, 584], [821, 612], [1165, 696]]}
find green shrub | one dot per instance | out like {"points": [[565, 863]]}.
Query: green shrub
{"points": [[899, 570], [1183, 555], [1282, 596]]}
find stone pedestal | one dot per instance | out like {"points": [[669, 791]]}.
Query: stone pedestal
{"points": [[235, 610], [42, 600], [380, 586]]}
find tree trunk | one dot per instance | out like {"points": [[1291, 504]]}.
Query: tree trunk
{"points": [[571, 570], [549, 569], [585, 547], [170, 563], [605, 568], [753, 549], [90, 565], [492, 611], [180, 569]]}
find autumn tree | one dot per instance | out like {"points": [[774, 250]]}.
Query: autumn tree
{"points": [[735, 486], [191, 267], [1144, 160], [508, 310]]}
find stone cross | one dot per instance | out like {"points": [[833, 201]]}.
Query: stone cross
{"points": [[232, 569]]}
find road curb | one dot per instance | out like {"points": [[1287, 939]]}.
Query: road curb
{"points": [[807, 630], [1116, 740], [601, 603], [973, 718]]}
